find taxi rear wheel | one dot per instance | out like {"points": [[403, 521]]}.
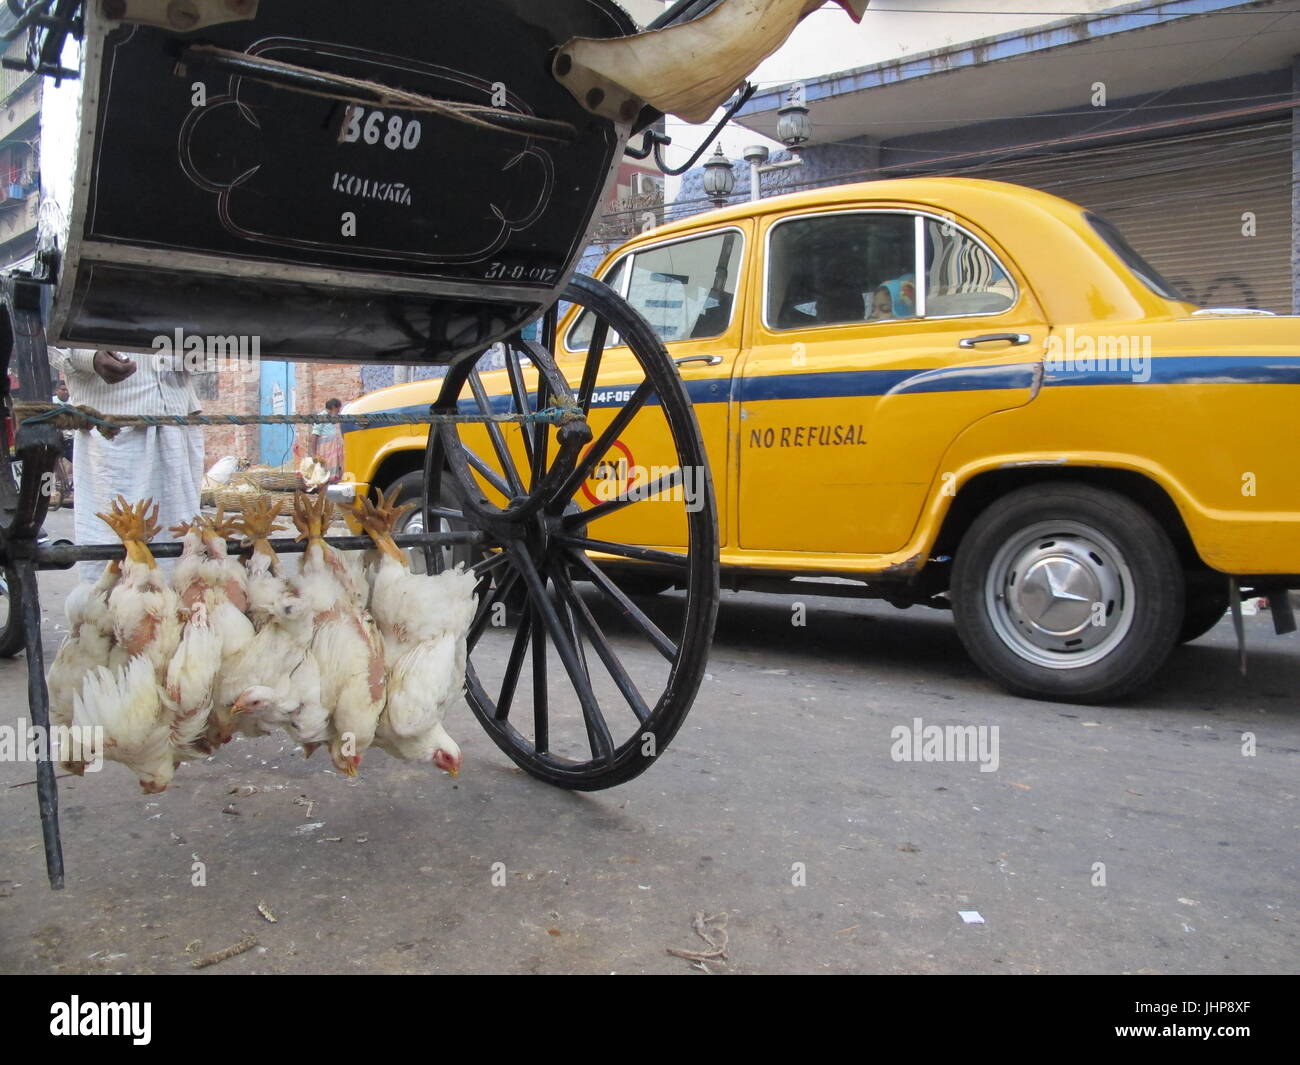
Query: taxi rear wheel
{"points": [[1068, 592]]}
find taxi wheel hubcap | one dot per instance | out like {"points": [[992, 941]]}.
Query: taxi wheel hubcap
{"points": [[1060, 594]]}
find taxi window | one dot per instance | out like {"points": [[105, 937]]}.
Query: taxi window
{"points": [[580, 335], [840, 268], [685, 290], [961, 276]]}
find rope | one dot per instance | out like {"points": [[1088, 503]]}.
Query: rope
{"points": [[64, 416], [371, 92]]}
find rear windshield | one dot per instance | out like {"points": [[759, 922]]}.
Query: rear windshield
{"points": [[1145, 272]]}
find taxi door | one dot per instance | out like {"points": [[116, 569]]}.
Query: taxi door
{"points": [[860, 376], [687, 289]]}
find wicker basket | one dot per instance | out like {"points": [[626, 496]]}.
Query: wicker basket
{"points": [[272, 480], [233, 496]]}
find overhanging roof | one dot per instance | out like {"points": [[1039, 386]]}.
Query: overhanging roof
{"points": [[1135, 50]]}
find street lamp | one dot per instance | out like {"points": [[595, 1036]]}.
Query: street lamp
{"points": [[793, 127], [719, 178]]}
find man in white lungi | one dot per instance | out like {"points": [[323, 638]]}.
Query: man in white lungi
{"points": [[163, 463]]}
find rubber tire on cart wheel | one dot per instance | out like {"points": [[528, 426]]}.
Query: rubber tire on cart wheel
{"points": [[1091, 546], [1206, 605], [12, 639]]}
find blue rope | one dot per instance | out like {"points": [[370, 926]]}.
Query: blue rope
{"points": [[52, 412]]}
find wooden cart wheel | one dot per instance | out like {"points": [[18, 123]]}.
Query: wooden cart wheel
{"points": [[550, 675]]}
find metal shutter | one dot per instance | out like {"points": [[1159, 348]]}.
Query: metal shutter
{"points": [[1180, 203]]}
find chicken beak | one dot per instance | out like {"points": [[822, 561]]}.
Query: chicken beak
{"points": [[446, 762], [855, 8]]}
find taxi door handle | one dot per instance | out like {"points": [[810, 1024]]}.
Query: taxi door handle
{"points": [[989, 338], [708, 360]]}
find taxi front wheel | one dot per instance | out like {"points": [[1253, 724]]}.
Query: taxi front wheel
{"points": [[1068, 592]]}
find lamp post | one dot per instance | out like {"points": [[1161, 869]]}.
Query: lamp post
{"points": [[793, 128], [719, 178]]}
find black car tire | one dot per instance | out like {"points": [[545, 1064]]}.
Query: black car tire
{"points": [[1069, 592]]}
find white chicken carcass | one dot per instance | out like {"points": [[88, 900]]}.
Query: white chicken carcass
{"points": [[362, 565], [88, 645], [347, 647], [268, 590], [207, 574], [275, 682], [424, 621], [125, 703], [142, 607], [191, 682]]}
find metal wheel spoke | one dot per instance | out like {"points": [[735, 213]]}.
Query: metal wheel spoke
{"points": [[495, 435], [446, 512], [591, 368], [567, 616], [641, 554], [602, 744], [489, 474], [642, 493], [549, 322], [541, 716], [490, 562], [513, 666], [520, 392], [541, 434], [499, 592], [601, 580], [579, 611], [606, 439]]}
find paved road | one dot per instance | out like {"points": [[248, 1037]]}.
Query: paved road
{"points": [[786, 759]]}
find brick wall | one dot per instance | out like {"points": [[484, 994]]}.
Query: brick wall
{"points": [[228, 393]]}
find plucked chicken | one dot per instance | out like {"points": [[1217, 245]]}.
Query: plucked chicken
{"points": [[207, 574], [127, 705], [87, 646], [276, 682], [347, 646], [191, 684], [143, 607], [424, 621]]}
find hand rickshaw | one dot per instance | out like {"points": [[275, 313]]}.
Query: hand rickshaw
{"points": [[409, 182]]}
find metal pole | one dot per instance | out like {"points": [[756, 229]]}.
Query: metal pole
{"points": [[755, 181], [38, 702]]}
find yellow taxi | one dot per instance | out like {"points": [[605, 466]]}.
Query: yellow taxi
{"points": [[950, 392]]}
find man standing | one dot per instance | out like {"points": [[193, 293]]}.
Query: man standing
{"points": [[163, 463]]}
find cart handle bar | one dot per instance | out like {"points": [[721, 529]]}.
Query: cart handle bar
{"points": [[65, 555]]}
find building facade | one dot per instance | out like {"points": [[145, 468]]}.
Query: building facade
{"points": [[1178, 121]]}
